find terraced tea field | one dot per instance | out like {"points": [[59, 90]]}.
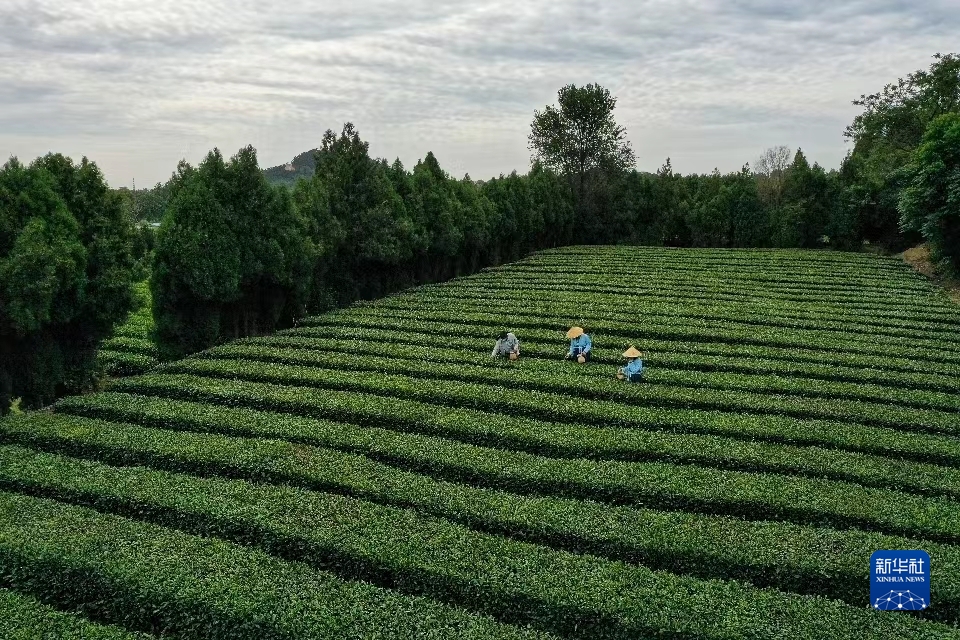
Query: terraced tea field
{"points": [[131, 349], [373, 472]]}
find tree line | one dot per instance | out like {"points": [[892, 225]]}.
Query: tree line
{"points": [[236, 255], [66, 272]]}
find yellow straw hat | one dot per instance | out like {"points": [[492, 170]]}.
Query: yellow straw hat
{"points": [[575, 332], [631, 353]]}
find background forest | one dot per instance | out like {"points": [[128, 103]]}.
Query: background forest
{"points": [[242, 251]]}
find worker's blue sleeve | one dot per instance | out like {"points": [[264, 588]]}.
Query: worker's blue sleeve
{"points": [[634, 366], [580, 342]]}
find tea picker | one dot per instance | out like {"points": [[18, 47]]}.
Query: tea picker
{"points": [[507, 347], [580, 345], [633, 371]]}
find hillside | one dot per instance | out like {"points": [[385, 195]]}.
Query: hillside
{"points": [[374, 469], [301, 166]]}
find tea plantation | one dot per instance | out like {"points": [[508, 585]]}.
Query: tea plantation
{"points": [[373, 472], [131, 350]]}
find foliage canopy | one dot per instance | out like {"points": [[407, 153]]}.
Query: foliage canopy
{"points": [[65, 276]]}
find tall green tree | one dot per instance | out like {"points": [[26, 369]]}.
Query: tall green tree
{"points": [[771, 174], [725, 211], [65, 276], [438, 209], [930, 204], [634, 216], [885, 136], [233, 256], [479, 219], [709, 219], [809, 192], [748, 221], [671, 200], [379, 227], [580, 139], [364, 226]]}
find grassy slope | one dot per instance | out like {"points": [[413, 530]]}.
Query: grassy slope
{"points": [[919, 259], [379, 455]]}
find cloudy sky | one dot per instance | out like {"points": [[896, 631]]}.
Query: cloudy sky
{"points": [[136, 85]]}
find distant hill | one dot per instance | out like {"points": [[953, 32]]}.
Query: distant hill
{"points": [[301, 166]]}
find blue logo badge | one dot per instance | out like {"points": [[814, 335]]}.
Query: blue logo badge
{"points": [[900, 580]]}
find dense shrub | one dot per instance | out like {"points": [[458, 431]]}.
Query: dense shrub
{"points": [[931, 202]]}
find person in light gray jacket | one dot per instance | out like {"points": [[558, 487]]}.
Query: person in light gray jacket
{"points": [[507, 347]]}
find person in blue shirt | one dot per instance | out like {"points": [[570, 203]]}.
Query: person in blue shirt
{"points": [[580, 345], [633, 371]]}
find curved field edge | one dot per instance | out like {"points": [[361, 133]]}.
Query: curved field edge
{"points": [[380, 444]]}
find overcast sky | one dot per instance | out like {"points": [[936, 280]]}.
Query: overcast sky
{"points": [[136, 85]]}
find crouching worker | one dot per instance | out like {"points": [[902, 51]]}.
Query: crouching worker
{"points": [[633, 371], [507, 347], [580, 345]]}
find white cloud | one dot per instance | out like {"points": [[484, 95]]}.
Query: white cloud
{"points": [[138, 85]]}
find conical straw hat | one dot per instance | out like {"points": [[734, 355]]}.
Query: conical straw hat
{"points": [[575, 332], [631, 353]]}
